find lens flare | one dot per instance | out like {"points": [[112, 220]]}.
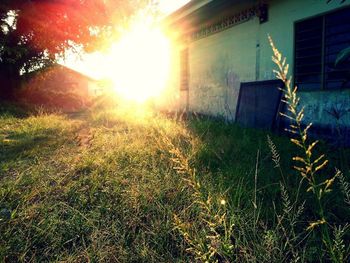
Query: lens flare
{"points": [[139, 64]]}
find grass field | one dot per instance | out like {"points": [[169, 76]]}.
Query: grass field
{"points": [[121, 185]]}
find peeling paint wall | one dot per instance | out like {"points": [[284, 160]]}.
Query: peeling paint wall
{"points": [[218, 64], [326, 108]]}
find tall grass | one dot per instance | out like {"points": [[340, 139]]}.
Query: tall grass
{"points": [[119, 184], [309, 165], [225, 233], [115, 185]]}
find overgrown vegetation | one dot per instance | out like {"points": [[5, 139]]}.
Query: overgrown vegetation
{"points": [[114, 185], [122, 184]]}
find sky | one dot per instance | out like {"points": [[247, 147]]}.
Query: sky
{"points": [[168, 6]]}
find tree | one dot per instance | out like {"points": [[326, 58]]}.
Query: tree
{"points": [[33, 32]]}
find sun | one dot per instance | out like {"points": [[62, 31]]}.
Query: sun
{"points": [[139, 63]]}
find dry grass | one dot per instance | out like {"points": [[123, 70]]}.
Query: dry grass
{"points": [[143, 188]]}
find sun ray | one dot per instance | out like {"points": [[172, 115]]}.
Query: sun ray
{"points": [[138, 64]]}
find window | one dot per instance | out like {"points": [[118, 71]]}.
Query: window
{"points": [[318, 41], [184, 75]]}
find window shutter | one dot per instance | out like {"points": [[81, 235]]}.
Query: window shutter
{"points": [[308, 54], [318, 42]]}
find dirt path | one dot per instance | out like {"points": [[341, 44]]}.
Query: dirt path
{"points": [[85, 137], [85, 134]]}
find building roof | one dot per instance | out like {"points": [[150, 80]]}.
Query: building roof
{"points": [[61, 68], [198, 12], [77, 73], [187, 9]]}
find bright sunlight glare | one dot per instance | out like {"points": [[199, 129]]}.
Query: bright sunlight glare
{"points": [[139, 63]]}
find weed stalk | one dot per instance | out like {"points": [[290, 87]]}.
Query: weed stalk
{"points": [[308, 166]]}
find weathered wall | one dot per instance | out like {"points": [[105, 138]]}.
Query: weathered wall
{"points": [[327, 108], [220, 62]]}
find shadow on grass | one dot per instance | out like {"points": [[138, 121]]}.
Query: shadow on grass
{"points": [[28, 146], [229, 152], [10, 109]]}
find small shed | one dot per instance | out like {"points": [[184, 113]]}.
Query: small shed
{"points": [[59, 87]]}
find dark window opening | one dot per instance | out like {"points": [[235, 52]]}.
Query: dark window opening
{"points": [[318, 41], [184, 69]]}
